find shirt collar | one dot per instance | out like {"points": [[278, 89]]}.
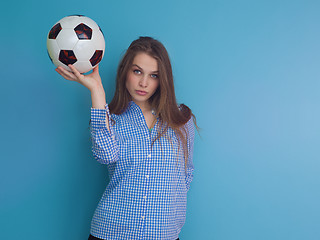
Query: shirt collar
{"points": [[133, 113]]}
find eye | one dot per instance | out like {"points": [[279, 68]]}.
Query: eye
{"points": [[137, 71], [154, 75]]}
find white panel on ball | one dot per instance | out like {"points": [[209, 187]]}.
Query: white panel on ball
{"points": [[98, 40], [57, 63], [53, 48], [84, 50], [70, 21], [67, 39], [84, 65]]}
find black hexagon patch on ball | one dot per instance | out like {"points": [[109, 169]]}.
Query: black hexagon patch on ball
{"points": [[55, 31], [96, 58], [83, 31], [67, 57]]}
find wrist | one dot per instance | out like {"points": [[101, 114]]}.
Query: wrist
{"points": [[98, 98], [98, 89]]}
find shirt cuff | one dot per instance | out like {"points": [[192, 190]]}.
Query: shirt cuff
{"points": [[98, 117]]}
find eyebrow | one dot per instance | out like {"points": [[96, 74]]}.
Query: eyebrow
{"points": [[135, 65]]}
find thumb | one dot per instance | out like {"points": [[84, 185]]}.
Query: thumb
{"points": [[96, 69]]}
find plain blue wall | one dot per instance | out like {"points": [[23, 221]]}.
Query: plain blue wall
{"points": [[248, 69]]}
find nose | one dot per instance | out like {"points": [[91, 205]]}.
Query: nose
{"points": [[143, 81]]}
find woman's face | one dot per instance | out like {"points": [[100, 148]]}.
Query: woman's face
{"points": [[142, 78]]}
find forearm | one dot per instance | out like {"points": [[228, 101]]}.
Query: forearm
{"points": [[104, 146], [98, 97]]}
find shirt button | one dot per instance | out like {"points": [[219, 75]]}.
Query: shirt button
{"points": [[142, 217], [147, 176]]}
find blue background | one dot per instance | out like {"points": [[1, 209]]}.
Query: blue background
{"points": [[248, 69]]}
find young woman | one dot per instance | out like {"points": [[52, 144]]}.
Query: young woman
{"points": [[146, 140]]}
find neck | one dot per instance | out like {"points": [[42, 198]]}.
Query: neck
{"points": [[144, 106]]}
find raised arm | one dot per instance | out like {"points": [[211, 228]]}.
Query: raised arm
{"points": [[92, 82], [104, 146]]}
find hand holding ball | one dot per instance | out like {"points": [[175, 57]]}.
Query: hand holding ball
{"points": [[76, 40]]}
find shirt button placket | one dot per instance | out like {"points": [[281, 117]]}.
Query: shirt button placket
{"points": [[147, 176]]}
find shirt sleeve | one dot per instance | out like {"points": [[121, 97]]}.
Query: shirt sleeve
{"points": [[104, 147], [190, 143]]}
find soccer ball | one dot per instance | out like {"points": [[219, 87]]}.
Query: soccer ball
{"points": [[76, 40]]}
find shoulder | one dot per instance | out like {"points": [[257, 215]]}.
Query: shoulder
{"points": [[190, 125]]}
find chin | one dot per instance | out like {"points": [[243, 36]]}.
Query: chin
{"points": [[141, 98]]}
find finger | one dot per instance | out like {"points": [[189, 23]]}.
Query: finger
{"points": [[58, 70], [78, 75], [96, 69], [65, 73]]}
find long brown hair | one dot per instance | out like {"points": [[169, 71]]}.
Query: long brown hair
{"points": [[163, 100]]}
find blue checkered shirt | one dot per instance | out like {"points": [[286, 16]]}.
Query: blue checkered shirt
{"points": [[146, 197]]}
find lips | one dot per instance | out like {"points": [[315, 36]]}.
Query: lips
{"points": [[141, 93]]}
